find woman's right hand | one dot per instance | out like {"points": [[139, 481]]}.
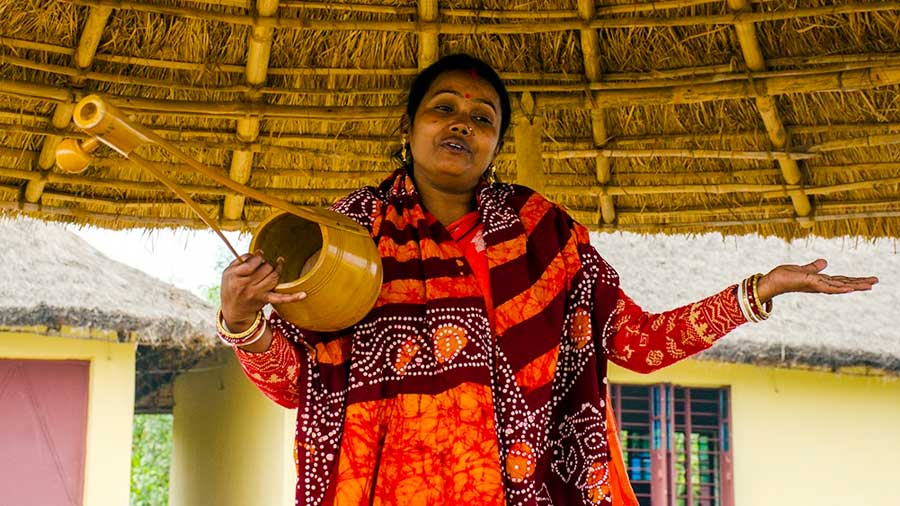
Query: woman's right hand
{"points": [[247, 285]]}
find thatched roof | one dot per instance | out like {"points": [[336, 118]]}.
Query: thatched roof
{"points": [[770, 116], [856, 332], [53, 279], [54, 283]]}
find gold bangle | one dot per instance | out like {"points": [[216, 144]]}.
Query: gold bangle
{"points": [[745, 302], [237, 336], [252, 338], [759, 305]]}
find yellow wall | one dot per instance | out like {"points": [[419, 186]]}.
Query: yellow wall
{"points": [[231, 445], [802, 437], [110, 406], [799, 437]]}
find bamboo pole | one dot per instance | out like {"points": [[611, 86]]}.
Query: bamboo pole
{"points": [[869, 141], [427, 11], [676, 153], [601, 83], [789, 65], [679, 94], [207, 109], [818, 218], [656, 6], [765, 190], [259, 47], [869, 184], [579, 149], [351, 180], [533, 27], [827, 63], [62, 113], [650, 178], [590, 50], [118, 219], [112, 184], [750, 211], [272, 138], [527, 130], [348, 7], [552, 155], [768, 109], [632, 190]]}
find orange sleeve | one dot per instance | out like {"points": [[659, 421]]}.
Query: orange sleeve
{"points": [[645, 342], [275, 371]]}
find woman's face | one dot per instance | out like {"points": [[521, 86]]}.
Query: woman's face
{"points": [[456, 132]]}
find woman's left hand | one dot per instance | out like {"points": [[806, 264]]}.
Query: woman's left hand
{"points": [[809, 278]]}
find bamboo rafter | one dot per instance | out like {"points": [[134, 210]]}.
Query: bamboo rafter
{"points": [[590, 49], [768, 109], [118, 219], [497, 28], [765, 190], [611, 82], [427, 11], [678, 94], [553, 154], [224, 139], [62, 113], [792, 65], [259, 46]]}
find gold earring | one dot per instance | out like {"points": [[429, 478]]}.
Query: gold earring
{"points": [[491, 176], [404, 150]]}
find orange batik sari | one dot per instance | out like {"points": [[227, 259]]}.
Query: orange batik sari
{"points": [[478, 378]]}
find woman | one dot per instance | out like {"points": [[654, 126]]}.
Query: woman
{"points": [[479, 377]]}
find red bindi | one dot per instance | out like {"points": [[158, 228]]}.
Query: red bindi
{"points": [[467, 96]]}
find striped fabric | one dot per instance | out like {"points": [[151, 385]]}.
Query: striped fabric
{"points": [[427, 402]]}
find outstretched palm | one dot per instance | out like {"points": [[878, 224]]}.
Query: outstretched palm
{"points": [[809, 278]]}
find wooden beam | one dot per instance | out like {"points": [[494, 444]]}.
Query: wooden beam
{"points": [[540, 83], [427, 11], [121, 220], [590, 50], [471, 28], [768, 109], [680, 93], [259, 47], [764, 190], [528, 130], [62, 114]]}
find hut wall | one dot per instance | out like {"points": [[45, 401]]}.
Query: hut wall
{"points": [[801, 437], [798, 436], [231, 445], [110, 406]]}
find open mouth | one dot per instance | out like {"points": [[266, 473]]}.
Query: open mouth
{"points": [[455, 146]]}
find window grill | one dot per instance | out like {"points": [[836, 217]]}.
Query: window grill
{"points": [[676, 443]]}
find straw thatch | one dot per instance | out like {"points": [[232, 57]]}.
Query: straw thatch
{"points": [[56, 284], [779, 117], [854, 333]]}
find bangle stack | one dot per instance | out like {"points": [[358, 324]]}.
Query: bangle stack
{"points": [[748, 299], [249, 336]]}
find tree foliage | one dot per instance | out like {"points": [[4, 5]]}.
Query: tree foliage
{"points": [[151, 455]]}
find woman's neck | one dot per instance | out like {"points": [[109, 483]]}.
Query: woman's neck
{"points": [[447, 207]]}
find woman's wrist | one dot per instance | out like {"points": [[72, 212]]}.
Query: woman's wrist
{"points": [[765, 289], [237, 325]]}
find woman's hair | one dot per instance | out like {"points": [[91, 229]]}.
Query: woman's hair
{"points": [[466, 63]]}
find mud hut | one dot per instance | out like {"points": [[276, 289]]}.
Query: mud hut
{"points": [[82, 340]]}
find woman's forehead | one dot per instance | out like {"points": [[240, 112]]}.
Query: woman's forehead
{"points": [[466, 84]]}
